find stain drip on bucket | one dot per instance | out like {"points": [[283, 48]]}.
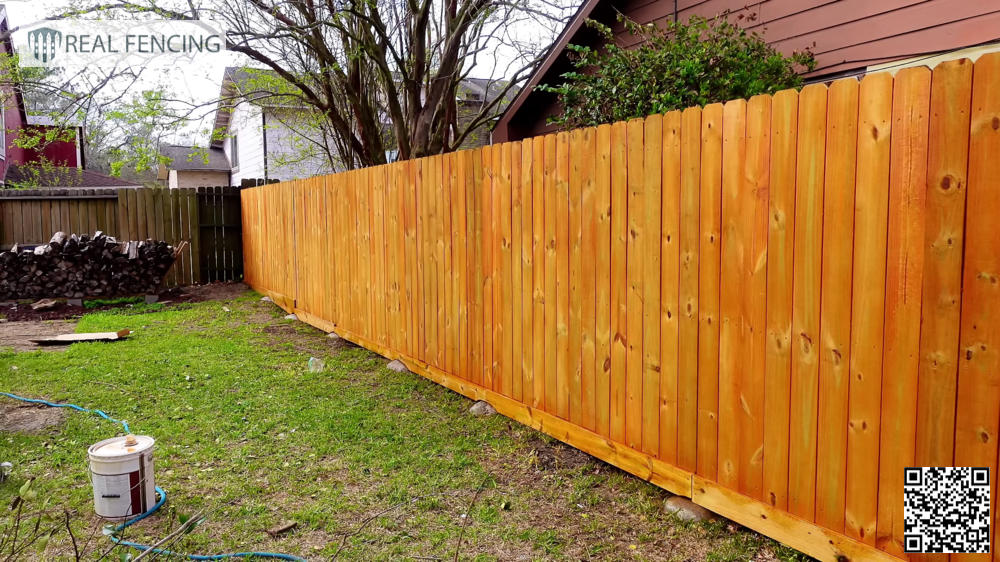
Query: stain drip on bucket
{"points": [[122, 473]]}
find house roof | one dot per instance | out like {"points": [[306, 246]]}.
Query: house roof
{"points": [[62, 177], [187, 158], [48, 121], [556, 51]]}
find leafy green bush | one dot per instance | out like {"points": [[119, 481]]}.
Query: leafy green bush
{"points": [[675, 67]]}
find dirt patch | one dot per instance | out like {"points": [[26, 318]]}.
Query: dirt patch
{"points": [[213, 291], [18, 417], [559, 456], [17, 335], [283, 332], [21, 311]]}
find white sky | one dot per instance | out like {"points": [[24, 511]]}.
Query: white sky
{"points": [[199, 82]]}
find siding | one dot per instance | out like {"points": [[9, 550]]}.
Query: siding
{"points": [[197, 178], [291, 155], [245, 123]]}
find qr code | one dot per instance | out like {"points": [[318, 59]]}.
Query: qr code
{"points": [[946, 510]]}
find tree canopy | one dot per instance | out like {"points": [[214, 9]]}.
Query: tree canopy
{"points": [[379, 78]]}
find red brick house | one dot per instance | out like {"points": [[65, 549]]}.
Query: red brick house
{"points": [[64, 160], [848, 37]]}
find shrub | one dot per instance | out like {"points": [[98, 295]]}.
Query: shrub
{"points": [[675, 67]]}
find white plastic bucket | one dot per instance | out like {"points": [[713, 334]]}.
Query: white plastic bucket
{"points": [[121, 470]]}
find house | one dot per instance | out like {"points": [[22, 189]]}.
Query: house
{"points": [[266, 137], [190, 166], [847, 37], [55, 163], [269, 137]]}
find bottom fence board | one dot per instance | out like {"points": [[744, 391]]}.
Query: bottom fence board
{"points": [[782, 526]]}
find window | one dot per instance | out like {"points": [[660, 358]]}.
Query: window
{"points": [[234, 151], [3, 132]]}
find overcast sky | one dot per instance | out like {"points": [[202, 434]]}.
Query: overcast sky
{"points": [[200, 82]]}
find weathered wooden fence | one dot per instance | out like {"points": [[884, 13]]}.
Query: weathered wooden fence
{"points": [[207, 217], [772, 306]]}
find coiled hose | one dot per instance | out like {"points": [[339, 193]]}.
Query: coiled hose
{"points": [[159, 502]]}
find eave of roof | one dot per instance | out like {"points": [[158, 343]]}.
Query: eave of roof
{"points": [[555, 51]]}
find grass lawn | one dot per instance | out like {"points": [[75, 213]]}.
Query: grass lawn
{"points": [[371, 464]]}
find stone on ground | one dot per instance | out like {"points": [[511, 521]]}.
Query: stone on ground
{"points": [[291, 317], [265, 299], [482, 408], [686, 510], [397, 366], [333, 336]]}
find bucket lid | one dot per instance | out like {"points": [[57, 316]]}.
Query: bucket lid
{"points": [[121, 446]]}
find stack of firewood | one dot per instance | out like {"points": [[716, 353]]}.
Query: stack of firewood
{"points": [[85, 266]]}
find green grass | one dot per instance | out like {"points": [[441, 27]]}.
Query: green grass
{"points": [[98, 303], [372, 464]]}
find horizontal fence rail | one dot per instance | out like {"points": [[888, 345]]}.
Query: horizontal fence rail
{"points": [[771, 306], [207, 217]]}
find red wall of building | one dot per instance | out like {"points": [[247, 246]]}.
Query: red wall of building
{"points": [[59, 153]]}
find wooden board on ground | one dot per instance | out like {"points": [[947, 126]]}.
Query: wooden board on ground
{"points": [[66, 339]]}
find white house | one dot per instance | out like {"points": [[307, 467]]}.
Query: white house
{"points": [[262, 137]]}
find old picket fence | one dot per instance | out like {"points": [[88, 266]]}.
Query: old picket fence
{"points": [[207, 217], [771, 306]]}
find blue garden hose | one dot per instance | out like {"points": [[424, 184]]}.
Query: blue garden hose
{"points": [[159, 503], [74, 406]]}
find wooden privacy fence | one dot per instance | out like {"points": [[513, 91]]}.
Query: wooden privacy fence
{"points": [[771, 306], [207, 217]]}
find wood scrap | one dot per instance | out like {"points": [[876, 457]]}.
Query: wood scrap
{"points": [[66, 339], [282, 529]]}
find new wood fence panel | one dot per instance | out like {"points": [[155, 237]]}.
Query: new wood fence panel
{"points": [[670, 266], [777, 360], [835, 302], [687, 330], [947, 164], [490, 161], [525, 255], [619, 284], [756, 195], [770, 305], [503, 295], [574, 366], [538, 399], [562, 287], [976, 426], [603, 331], [634, 291], [709, 266], [588, 281], [735, 250], [648, 254], [904, 271], [806, 278]]}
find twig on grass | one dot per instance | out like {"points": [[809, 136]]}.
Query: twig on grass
{"points": [[72, 537], [365, 523], [468, 515], [184, 528]]}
